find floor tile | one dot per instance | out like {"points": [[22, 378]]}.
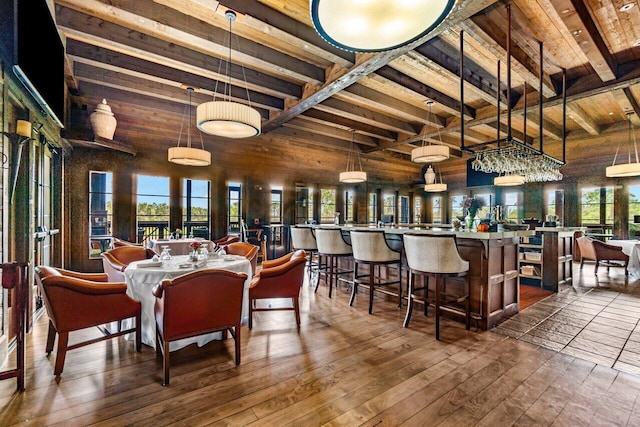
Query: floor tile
{"points": [[630, 357], [601, 338], [551, 345], [608, 329], [555, 325], [554, 336], [585, 355], [595, 347], [625, 367], [633, 346]]}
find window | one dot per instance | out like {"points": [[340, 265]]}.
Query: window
{"points": [[511, 207], [555, 204], [234, 206], [327, 205], [388, 207], [488, 203], [436, 212], [457, 212], [348, 206], [417, 209], [152, 213], [403, 209], [310, 204], [597, 206], [373, 208], [195, 207], [276, 205], [100, 212], [634, 210]]}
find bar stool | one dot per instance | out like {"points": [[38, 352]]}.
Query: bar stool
{"points": [[332, 246], [436, 256], [303, 238], [371, 247]]}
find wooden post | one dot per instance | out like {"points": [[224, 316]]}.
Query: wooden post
{"points": [[14, 276]]}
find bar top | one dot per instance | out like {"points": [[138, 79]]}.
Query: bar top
{"points": [[435, 231]]}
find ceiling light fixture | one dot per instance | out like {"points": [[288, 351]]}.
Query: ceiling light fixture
{"points": [[626, 7], [189, 155], [509, 180], [431, 184], [377, 25], [225, 117], [430, 153], [625, 169], [351, 175]]}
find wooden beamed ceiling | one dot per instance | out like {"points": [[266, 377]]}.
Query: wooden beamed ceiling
{"points": [[142, 54]]}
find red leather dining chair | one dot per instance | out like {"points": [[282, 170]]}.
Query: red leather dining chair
{"points": [[246, 250], [77, 301], [119, 242], [225, 240], [279, 280], [116, 260], [198, 303]]}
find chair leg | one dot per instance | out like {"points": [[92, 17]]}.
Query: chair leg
{"points": [[51, 337], [354, 288], [138, 332], [251, 302], [400, 285], [158, 342], [332, 268], [467, 303], [438, 288], [63, 341], [320, 268], [407, 317], [237, 339], [296, 308], [596, 269], [371, 271], [165, 362]]}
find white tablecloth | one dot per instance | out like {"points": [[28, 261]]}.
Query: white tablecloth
{"points": [[631, 248], [177, 246], [141, 280]]}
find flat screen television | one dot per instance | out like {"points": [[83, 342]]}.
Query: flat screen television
{"points": [[38, 56], [478, 179]]}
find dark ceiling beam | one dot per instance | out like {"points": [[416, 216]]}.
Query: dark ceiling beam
{"points": [[578, 22], [330, 131], [412, 84]]}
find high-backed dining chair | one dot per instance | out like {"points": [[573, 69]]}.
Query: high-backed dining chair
{"points": [[602, 253], [332, 248], [119, 242], [198, 303], [304, 238], [116, 260], [246, 250], [77, 301], [437, 256], [371, 248], [225, 240], [280, 280]]}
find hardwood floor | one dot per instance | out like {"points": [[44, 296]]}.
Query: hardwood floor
{"points": [[343, 368]]}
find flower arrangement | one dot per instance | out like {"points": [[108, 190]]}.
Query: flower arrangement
{"points": [[195, 245], [473, 203], [336, 218]]}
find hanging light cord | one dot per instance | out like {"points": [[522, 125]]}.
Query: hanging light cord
{"points": [[635, 147]]}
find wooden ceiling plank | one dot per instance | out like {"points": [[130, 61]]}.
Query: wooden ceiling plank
{"points": [[577, 21], [347, 124], [331, 131], [578, 115], [356, 113], [290, 71], [369, 64], [269, 86], [627, 102], [256, 22]]}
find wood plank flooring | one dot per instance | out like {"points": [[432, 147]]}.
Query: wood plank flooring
{"points": [[342, 368]]}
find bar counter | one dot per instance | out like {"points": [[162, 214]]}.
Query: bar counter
{"points": [[493, 268]]}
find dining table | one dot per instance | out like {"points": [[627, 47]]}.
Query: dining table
{"points": [[177, 246], [632, 249], [142, 276]]}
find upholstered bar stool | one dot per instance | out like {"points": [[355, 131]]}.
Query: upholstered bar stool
{"points": [[436, 256], [370, 247], [332, 247], [303, 238]]}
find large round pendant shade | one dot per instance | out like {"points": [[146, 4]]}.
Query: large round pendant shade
{"points": [[430, 153], [377, 25], [508, 180], [189, 156], [353, 177], [228, 119], [436, 187], [623, 170]]}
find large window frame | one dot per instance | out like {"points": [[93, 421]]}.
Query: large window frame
{"points": [[388, 208], [596, 207], [152, 207], [511, 206], [457, 211], [348, 206], [372, 208], [436, 209], [100, 212], [275, 216], [234, 206], [634, 210], [196, 207], [417, 209], [327, 205]]}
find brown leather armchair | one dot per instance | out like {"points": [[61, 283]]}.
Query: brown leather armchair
{"points": [[246, 250], [77, 301], [602, 254], [198, 303], [119, 242], [116, 260], [279, 281], [224, 241]]}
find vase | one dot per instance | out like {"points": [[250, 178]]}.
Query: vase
{"points": [[429, 176], [336, 220], [470, 223], [102, 121]]}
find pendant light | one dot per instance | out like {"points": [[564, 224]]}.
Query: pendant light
{"points": [[625, 169], [228, 118], [351, 175], [189, 155], [377, 25], [509, 180], [430, 153]]}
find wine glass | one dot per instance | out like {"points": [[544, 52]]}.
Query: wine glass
{"points": [[165, 255]]}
